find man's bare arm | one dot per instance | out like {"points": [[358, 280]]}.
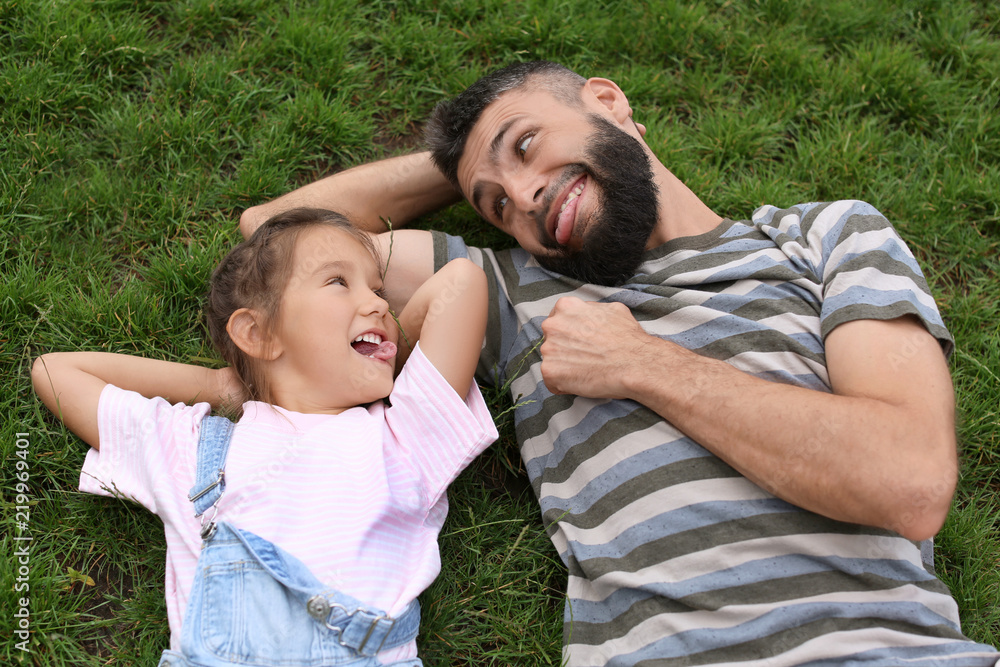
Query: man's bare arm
{"points": [[880, 450], [398, 189]]}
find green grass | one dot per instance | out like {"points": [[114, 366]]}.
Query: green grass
{"points": [[134, 132]]}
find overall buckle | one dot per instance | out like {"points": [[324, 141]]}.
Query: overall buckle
{"points": [[359, 620]]}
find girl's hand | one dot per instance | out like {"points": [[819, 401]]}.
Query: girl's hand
{"points": [[70, 384], [227, 388]]}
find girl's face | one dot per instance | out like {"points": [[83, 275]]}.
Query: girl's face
{"points": [[334, 343]]}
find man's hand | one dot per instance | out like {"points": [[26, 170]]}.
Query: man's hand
{"points": [[590, 348]]}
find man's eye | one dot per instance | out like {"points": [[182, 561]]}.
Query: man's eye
{"points": [[522, 146], [499, 206]]}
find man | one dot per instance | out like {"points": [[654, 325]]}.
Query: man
{"points": [[736, 430]]}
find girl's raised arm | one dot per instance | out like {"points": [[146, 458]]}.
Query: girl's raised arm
{"points": [[448, 315], [70, 384]]}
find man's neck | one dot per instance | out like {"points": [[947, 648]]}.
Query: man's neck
{"points": [[682, 213]]}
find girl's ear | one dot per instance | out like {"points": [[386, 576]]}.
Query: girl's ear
{"points": [[246, 328]]}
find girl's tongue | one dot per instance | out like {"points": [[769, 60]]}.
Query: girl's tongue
{"points": [[385, 350]]}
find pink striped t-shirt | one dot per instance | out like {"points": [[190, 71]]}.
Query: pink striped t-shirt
{"points": [[359, 497]]}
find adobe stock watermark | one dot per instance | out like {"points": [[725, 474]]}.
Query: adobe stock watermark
{"points": [[22, 542]]}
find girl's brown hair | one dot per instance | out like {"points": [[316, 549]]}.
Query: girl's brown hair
{"points": [[254, 275]]}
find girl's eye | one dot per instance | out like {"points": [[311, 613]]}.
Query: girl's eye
{"points": [[337, 281], [522, 146], [499, 206]]}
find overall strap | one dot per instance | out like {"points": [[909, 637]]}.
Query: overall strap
{"points": [[356, 626], [210, 476]]}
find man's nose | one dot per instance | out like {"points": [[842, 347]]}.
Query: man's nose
{"points": [[527, 190]]}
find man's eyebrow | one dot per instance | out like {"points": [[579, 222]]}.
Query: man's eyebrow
{"points": [[494, 150]]}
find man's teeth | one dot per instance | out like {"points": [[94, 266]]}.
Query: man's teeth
{"points": [[369, 338], [576, 192]]}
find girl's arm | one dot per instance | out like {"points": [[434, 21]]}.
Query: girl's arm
{"points": [[448, 315], [70, 384]]}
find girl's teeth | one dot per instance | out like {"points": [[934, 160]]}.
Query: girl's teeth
{"points": [[369, 338]]}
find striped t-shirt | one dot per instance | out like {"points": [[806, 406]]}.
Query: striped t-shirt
{"points": [[359, 497], [674, 558]]}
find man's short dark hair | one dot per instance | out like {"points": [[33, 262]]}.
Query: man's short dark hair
{"points": [[452, 120]]}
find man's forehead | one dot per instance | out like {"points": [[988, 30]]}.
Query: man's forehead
{"points": [[501, 112], [487, 134], [524, 100]]}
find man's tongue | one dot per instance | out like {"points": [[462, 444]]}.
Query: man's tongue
{"points": [[385, 350], [564, 223], [567, 216]]}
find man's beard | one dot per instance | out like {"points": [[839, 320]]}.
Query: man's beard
{"points": [[626, 214]]}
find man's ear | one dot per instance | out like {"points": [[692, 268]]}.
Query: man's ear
{"points": [[246, 328], [607, 94]]}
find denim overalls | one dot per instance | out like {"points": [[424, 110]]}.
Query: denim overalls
{"points": [[254, 604]]}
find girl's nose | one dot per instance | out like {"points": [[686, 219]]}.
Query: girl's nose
{"points": [[375, 304]]}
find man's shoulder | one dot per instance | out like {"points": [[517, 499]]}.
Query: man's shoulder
{"points": [[503, 261], [823, 213]]}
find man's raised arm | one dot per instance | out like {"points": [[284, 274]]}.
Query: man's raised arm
{"points": [[398, 189]]}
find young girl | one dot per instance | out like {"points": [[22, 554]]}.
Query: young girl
{"points": [[319, 523]]}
